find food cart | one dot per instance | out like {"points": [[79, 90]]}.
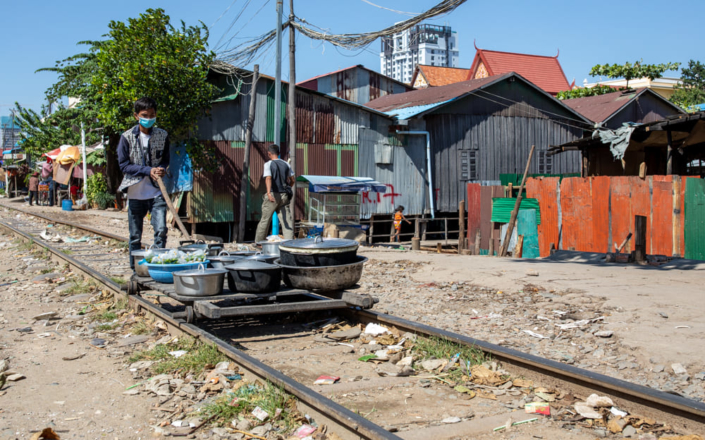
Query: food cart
{"points": [[335, 200]]}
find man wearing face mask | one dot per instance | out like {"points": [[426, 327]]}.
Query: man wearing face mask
{"points": [[143, 156]]}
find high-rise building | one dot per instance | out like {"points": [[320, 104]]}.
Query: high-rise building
{"points": [[422, 44], [9, 133]]}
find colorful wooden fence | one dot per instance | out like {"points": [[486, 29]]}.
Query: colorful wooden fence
{"points": [[591, 214]]}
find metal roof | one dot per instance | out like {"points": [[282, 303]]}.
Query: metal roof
{"points": [[342, 184], [601, 108], [305, 85]]}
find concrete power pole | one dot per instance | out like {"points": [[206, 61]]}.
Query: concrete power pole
{"points": [[292, 104]]}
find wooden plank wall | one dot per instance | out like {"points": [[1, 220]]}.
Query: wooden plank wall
{"points": [[591, 214]]}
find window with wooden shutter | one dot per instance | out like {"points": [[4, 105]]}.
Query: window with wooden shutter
{"points": [[545, 163], [468, 164]]}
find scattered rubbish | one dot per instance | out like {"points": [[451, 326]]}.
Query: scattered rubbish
{"points": [[499, 428], [45, 335], [47, 315], [15, 377], [465, 390], [452, 362], [546, 397], [604, 334], [618, 412], [305, 431], [367, 357], [482, 375], [532, 273], [616, 425], [596, 401], [382, 355], [433, 364], [538, 408], [351, 333], [679, 369], [535, 335], [375, 329], [178, 353], [132, 340], [523, 383], [260, 414], [450, 420], [326, 380], [24, 330], [587, 411], [46, 434], [234, 377], [98, 342], [663, 315], [140, 365]]}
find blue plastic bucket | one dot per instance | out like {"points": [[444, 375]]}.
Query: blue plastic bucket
{"points": [[67, 205]]}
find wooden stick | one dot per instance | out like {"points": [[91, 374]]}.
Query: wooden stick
{"points": [[461, 226], [519, 249], [619, 248], [517, 204], [477, 242], [184, 232]]}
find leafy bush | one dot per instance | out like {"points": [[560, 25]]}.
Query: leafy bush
{"points": [[104, 200], [96, 184]]}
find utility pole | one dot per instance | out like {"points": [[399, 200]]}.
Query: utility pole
{"points": [[278, 78], [292, 105], [85, 175], [245, 180]]}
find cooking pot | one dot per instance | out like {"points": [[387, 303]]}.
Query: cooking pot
{"points": [[323, 279], [223, 259], [253, 277], [270, 247], [211, 250], [139, 254], [199, 282], [317, 251], [262, 257]]}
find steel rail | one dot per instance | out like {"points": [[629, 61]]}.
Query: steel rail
{"points": [[684, 410], [356, 424]]}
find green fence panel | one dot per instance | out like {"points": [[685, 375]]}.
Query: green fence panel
{"points": [[502, 208], [695, 219]]}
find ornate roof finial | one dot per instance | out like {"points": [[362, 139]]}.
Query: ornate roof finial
{"points": [[474, 44], [558, 53]]}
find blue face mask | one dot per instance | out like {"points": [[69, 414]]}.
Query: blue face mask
{"points": [[147, 123]]}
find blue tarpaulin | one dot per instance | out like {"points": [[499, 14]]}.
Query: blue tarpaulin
{"points": [[319, 184], [180, 177]]}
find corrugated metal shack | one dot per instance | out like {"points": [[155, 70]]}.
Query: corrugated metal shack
{"points": [[357, 84], [334, 137], [482, 128]]}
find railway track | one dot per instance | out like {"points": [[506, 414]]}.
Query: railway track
{"points": [[372, 401]]}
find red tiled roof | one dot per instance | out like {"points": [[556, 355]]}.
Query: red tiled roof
{"points": [[440, 76], [599, 108], [431, 95], [544, 71]]}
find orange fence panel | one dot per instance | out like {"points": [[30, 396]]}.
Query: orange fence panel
{"points": [[620, 210], [661, 230], [545, 190], [601, 213], [641, 204], [576, 210]]}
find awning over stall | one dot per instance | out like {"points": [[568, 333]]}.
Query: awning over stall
{"points": [[319, 184]]}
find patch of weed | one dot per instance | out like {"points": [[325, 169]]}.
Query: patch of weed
{"points": [[79, 287], [108, 315], [246, 398], [118, 280], [196, 359], [107, 327], [25, 245], [442, 348], [67, 251], [45, 271], [140, 329]]}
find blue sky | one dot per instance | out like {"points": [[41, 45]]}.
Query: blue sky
{"points": [[35, 33]]}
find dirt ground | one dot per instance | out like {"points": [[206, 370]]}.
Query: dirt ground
{"points": [[630, 322]]}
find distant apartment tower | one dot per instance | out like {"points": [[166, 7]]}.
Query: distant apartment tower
{"points": [[9, 133], [422, 44]]}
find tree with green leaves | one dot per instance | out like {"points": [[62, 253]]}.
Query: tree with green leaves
{"points": [[147, 56], [691, 90], [42, 132], [582, 92], [630, 71]]}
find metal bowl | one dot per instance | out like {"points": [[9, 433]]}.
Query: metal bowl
{"points": [[199, 282], [211, 250], [323, 278], [263, 258], [253, 277], [270, 247]]}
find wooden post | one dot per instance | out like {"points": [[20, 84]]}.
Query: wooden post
{"points": [[461, 226], [245, 180], [517, 204], [292, 105], [586, 164], [372, 230], [510, 190], [669, 153], [640, 239], [416, 244], [519, 249], [445, 229], [491, 251], [642, 171], [439, 248], [416, 228], [477, 242]]}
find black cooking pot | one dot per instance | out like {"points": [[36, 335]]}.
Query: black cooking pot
{"points": [[253, 277], [317, 252]]}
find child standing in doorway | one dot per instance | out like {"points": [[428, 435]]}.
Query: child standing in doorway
{"points": [[398, 217]]}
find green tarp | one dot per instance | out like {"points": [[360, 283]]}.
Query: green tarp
{"points": [[515, 179], [502, 208]]}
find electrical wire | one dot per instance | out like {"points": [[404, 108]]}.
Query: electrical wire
{"points": [[392, 10]]}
